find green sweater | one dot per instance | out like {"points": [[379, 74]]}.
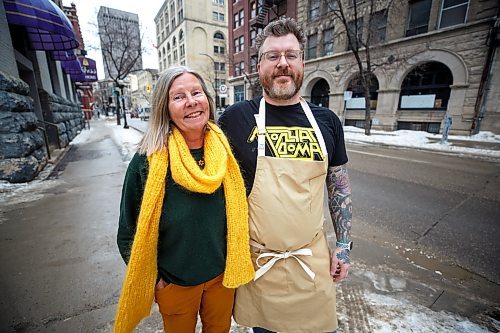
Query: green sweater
{"points": [[192, 231]]}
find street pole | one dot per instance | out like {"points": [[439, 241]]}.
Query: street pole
{"points": [[215, 85], [125, 125], [118, 114]]}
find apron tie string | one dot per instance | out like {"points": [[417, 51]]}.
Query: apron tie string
{"points": [[278, 255]]}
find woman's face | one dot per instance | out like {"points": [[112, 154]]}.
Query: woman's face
{"points": [[188, 105]]}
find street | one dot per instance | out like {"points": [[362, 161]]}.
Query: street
{"points": [[425, 229]]}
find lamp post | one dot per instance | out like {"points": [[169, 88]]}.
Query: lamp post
{"points": [[215, 85]]}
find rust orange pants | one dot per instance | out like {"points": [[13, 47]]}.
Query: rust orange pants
{"points": [[179, 307]]}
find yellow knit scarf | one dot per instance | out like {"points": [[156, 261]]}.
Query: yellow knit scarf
{"points": [[220, 168]]}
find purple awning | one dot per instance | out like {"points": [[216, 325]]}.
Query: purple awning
{"points": [[47, 26], [89, 70], [63, 55], [72, 67]]}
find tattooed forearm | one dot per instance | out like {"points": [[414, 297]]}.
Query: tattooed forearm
{"points": [[339, 200]]}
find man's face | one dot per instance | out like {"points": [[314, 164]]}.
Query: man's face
{"points": [[281, 79]]}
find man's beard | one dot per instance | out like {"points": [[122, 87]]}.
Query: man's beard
{"points": [[280, 91]]}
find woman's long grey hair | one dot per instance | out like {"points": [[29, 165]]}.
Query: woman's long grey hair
{"points": [[159, 125]]}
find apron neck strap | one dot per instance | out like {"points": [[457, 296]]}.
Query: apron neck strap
{"points": [[260, 119]]}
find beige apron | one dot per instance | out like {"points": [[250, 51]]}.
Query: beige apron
{"points": [[293, 290]]}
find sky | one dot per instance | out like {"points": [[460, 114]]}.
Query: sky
{"points": [[87, 14]]}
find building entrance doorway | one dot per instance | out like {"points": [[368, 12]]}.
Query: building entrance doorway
{"points": [[319, 93]]}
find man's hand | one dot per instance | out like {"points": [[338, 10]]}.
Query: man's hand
{"points": [[339, 264]]}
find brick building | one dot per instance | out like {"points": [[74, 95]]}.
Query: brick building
{"points": [[246, 20]]}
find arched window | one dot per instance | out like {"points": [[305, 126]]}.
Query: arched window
{"points": [[319, 93], [218, 35], [427, 86], [163, 51], [174, 42], [181, 36], [358, 94], [168, 47]]}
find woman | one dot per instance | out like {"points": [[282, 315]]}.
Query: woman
{"points": [[184, 200]]}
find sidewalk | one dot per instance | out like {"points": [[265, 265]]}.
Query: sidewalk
{"points": [[62, 271]]}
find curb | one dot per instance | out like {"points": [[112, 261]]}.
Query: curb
{"points": [[444, 152]]}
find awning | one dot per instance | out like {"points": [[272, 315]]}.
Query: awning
{"points": [[47, 26], [72, 67], [89, 70], [63, 55]]}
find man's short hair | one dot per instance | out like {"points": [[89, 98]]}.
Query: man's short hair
{"points": [[279, 28]]}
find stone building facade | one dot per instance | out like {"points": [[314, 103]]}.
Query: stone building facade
{"points": [[194, 33], [39, 109], [436, 60]]}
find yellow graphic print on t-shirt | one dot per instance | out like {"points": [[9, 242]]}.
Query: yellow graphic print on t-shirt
{"points": [[291, 142]]}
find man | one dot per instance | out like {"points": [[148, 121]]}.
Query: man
{"points": [[288, 150]]}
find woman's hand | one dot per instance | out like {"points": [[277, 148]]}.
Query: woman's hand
{"points": [[161, 284]]}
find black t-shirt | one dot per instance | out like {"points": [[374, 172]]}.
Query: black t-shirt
{"points": [[289, 134]]}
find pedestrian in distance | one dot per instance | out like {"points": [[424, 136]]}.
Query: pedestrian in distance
{"points": [[183, 228], [289, 152]]}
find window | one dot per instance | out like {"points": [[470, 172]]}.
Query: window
{"points": [[218, 2], [218, 35], [314, 6], [182, 50], [236, 45], [239, 93], [253, 35], [358, 92], [239, 19], [239, 44], [239, 68], [242, 43], [169, 60], [180, 15], [453, 12], [242, 17], [236, 21], [328, 42], [174, 42], [219, 66], [253, 64], [253, 10], [216, 16], [418, 18], [426, 87], [379, 25], [175, 55], [355, 30], [219, 49], [168, 47], [181, 36], [312, 42]]}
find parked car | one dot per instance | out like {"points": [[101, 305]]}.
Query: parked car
{"points": [[144, 113]]}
